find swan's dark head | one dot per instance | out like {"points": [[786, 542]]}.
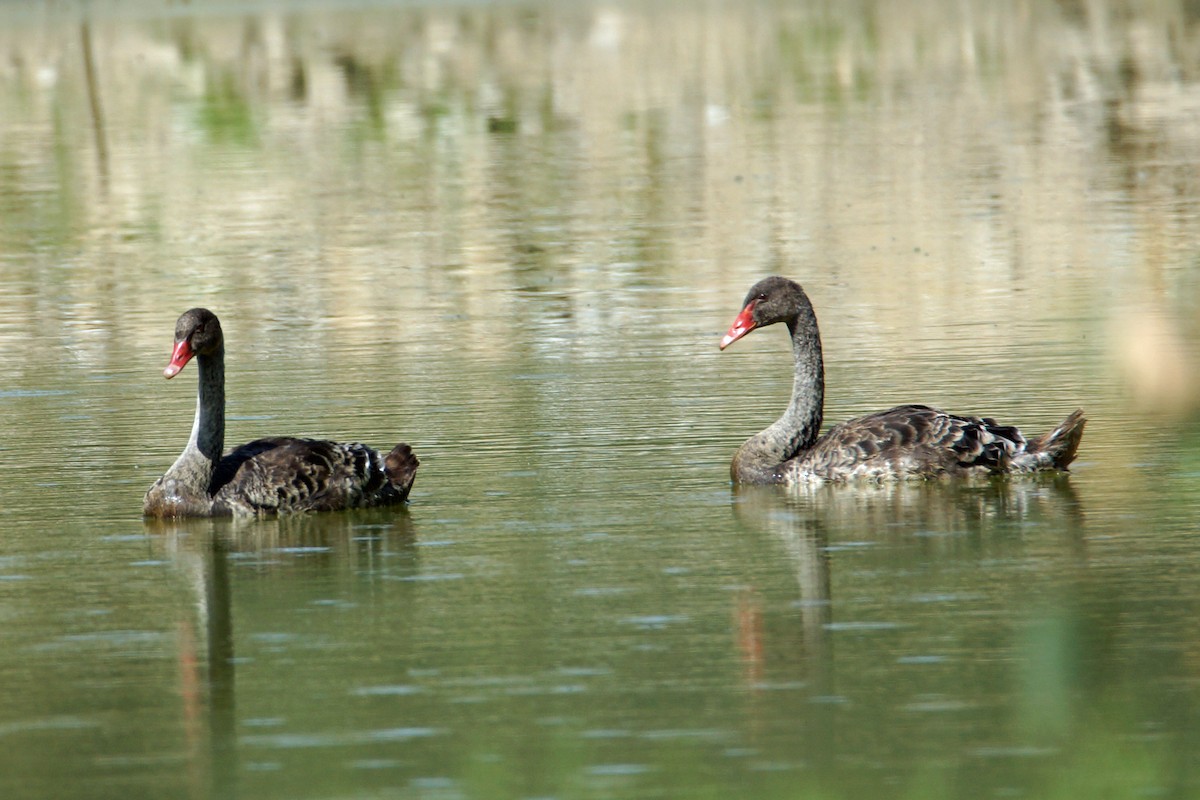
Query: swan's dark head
{"points": [[771, 300], [197, 333]]}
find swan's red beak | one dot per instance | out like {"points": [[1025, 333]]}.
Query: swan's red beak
{"points": [[179, 356], [740, 327]]}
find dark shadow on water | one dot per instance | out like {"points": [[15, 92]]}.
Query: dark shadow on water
{"points": [[202, 550], [949, 511], [956, 516], [805, 650], [356, 538], [808, 528]]}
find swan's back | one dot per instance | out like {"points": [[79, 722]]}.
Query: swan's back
{"points": [[284, 474], [916, 440]]}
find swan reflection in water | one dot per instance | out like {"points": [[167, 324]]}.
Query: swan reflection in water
{"points": [[361, 542], [946, 520]]}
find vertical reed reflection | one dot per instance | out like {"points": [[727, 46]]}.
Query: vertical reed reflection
{"points": [[95, 104]]}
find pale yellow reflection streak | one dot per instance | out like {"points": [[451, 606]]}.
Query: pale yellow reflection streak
{"points": [[919, 165]]}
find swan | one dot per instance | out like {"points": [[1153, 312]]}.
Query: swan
{"points": [[911, 441], [268, 476]]}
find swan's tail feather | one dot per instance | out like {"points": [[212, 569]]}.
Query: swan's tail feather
{"points": [[1057, 449], [400, 465]]}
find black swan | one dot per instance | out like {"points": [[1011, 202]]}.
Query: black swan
{"points": [[904, 442], [267, 476]]}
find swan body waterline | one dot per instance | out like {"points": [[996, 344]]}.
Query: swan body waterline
{"points": [[911, 441], [267, 476]]}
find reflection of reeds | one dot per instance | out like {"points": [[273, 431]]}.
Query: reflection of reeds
{"points": [[491, 182], [319, 153], [96, 106]]}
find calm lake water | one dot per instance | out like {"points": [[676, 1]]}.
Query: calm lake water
{"points": [[512, 235]]}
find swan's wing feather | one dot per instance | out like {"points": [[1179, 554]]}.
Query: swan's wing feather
{"points": [[291, 474], [914, 439]]}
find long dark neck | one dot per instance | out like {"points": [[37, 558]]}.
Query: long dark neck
{"points": [[760, 459], [196, 465], [802, 420]]}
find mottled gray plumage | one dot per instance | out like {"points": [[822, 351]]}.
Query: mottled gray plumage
{"points": [[266, 476], [912, 441]]}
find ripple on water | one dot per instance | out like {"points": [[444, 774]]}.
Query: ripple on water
{"points": [[861, 627], [55, 723], [292, 741], [655, 621], [375, 763], [398, 690], [606, 733], [426, 577], [922, 659], [609, 770], [937, 704], [126, 642], [601, 591]]}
